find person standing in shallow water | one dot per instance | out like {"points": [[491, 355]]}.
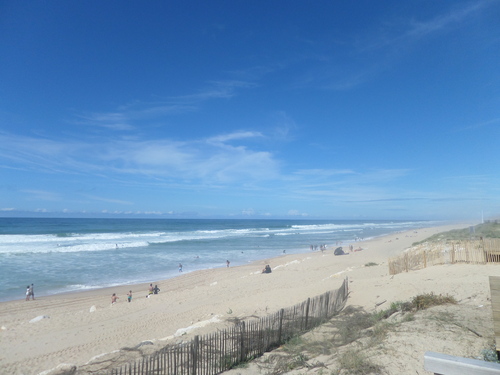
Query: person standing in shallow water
{"points": [[227, 263]]}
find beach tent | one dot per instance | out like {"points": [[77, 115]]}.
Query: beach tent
{"points": [[338, 251]]}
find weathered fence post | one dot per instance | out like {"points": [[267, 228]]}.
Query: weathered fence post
{"points": [[282, 312], [425, 260], [242, 344], [195, 344], [175, 354], [307, 312], [327, 302]]}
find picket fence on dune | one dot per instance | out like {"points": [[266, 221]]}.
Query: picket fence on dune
{"points": [[480, 251], [222, 350]]}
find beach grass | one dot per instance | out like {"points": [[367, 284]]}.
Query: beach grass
{"points": [[353, 338], [356, 362], [485, 230]]}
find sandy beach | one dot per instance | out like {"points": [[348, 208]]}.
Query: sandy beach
{"points": [[74, 328]]}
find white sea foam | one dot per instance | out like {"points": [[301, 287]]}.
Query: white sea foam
{"points": [[77, 242], [101, 241]]}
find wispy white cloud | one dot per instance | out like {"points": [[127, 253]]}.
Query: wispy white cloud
{"points": [[492, 122], [210, 160], [108, 200], [126, 117], [41, 195], [362, 57], [216, 90], [219, 139], [114, 120], [330, 182], [421, 29], [323, 172], [330, 185], [284, 126], [414, 30], [147, 154]]}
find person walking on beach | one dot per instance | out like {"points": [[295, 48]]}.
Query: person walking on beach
{"points": [[32, 292], [114, 298], [129, 296], [28, 293]]}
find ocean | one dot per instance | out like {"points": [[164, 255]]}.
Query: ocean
{"points": [[65, 255]]}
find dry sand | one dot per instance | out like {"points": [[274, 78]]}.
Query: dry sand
{"points": [[200, 302]]}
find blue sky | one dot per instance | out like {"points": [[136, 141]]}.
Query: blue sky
{"points": [[254, 109]]}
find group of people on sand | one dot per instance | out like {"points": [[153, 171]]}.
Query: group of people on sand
{"points": [[114, 297], [151, 290], [321, 247], [30, 292], [155, 290]]}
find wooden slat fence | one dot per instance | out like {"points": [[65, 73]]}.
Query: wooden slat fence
{"points": [[219, 351], [429, 254]]}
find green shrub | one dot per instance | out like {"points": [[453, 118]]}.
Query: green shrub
{"points": [[424, 301]]}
